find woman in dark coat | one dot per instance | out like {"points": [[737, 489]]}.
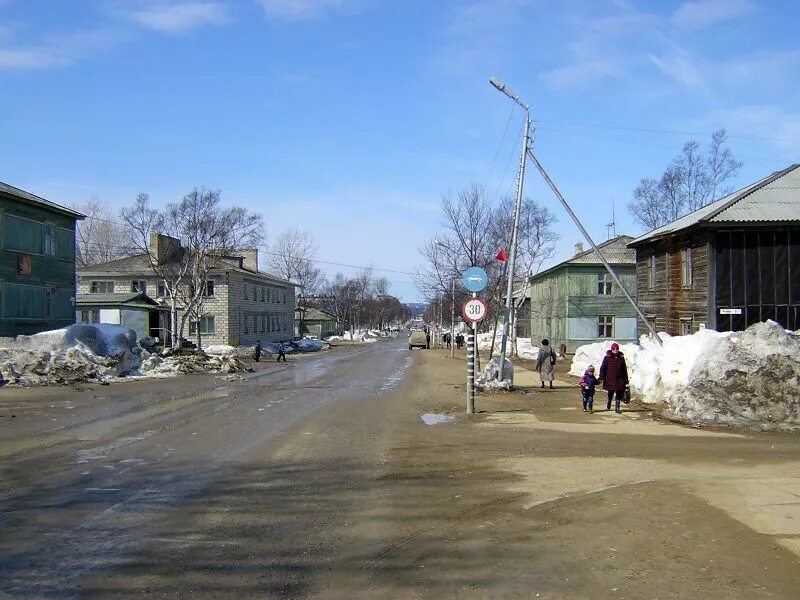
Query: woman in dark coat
{"points": [[614, 375]]}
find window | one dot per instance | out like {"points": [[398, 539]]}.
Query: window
{"points": [[210, 288], [90, 316], [205, 324], [101, 287], [686, 267], [686, 326], [244, 285], [604, 284], [48, 303], [652, 272], [139, 287], [162, 290], [605, 326], [263, 294], [49, 240], [263, 323]]}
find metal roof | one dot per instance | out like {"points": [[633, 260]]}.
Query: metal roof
{"points": [[139, 265], [775, 198], [615, 250], [314, 314], [29, 198], [131, 299]]}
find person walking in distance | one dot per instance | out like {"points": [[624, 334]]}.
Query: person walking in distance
{"points": [[281, 352], [588, 383], [545, 362], [257, 350], [614, 375]]}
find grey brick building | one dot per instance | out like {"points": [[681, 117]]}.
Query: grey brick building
{"points": [[241, 303]]}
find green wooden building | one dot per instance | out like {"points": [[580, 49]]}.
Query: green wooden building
{"points": [[577, 302], [37, 263]]}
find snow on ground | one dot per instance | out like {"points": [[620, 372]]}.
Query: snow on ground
{"points": [[592, 354], [488, 378], [746, 378], [225, 350], [79, 352], [526, 349]]}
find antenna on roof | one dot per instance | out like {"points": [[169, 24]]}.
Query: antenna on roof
{"points": [[611, 228]]}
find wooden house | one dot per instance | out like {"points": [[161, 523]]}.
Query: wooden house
{"points": [[727, 265], [577, 302], [315, 323], [37, 263]]}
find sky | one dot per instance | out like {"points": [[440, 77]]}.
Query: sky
{"points": [[351, 118]]}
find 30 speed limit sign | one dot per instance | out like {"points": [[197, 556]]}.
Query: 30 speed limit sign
{"points": [[474, 310]]}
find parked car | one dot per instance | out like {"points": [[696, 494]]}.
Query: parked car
{"points": [[417, 338]]}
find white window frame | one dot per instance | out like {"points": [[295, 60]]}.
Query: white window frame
{"points": [[211, 289], [203, 324], [95, 285], [605, 285], [651, 273], [138, 286], [686, 267]]}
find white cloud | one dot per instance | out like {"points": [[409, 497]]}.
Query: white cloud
{"points": [[56, 51], [176, 18], [579, 74], [680, 67], [705, 13], [776, 125], [298, 10]]}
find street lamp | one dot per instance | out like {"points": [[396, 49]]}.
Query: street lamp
{"points": [[502, 87]]}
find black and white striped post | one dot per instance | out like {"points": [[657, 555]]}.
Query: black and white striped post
{"points": [[471, 371]]}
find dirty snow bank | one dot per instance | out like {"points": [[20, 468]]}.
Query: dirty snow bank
{"points": [[746, 378], [181, 362], [80, 352], [225, 350], [592, 354], [488, 378]]}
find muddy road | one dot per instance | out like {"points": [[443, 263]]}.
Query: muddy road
{"points": [[320, 480]]}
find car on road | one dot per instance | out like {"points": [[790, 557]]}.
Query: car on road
{"points": [[418, 339]]}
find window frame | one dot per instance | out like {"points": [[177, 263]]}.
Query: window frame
{"points": [[93, 285], [141, 288], [605, 284], [652, 269], [605, 325], [202, 325], [687, 268]]}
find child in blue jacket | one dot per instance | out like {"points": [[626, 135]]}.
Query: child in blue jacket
{"points": [[588, 383]]}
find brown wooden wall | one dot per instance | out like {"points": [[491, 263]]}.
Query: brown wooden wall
{"points": [[668, 301]]}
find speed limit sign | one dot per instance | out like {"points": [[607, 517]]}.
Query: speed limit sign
{"points": [[474, 310]]}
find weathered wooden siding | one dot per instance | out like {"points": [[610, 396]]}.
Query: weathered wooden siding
{"points": [[668, 303], [42, 300]]}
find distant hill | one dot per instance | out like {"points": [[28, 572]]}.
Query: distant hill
{"points": [[416, 308]]}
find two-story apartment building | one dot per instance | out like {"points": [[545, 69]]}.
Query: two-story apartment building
{"points": [[240, 305], [37, 263], [576, 302]]}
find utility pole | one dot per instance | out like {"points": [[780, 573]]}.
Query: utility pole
{"points": [[500, 86]]}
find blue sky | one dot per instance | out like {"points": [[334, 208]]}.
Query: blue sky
{"points": [[350, 118]]}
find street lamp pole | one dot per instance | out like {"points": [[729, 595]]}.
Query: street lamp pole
{"points": [[502, 87]]}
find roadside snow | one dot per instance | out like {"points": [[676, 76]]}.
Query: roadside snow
{"points": [[746, 378], [526, 349], [488, 378], [225, 350], [592, 354]]}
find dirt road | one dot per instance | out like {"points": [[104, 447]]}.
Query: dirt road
{"points": [[530, 498]]}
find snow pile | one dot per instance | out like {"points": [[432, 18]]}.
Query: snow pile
{"points": [[484, 341], [488, 378], [746, 378], [272, 348], [225, 350], [80, 352], [592, 354], [310, 345], [333, 338], [181, 362], [526, 349]]}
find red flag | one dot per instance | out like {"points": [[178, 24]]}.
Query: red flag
{"points": [[502, 256]]}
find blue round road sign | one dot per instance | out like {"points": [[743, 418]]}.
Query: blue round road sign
{"points": [[475, 279]]}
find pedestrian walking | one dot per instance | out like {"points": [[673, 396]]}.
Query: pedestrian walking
{"points": [[459, 341], [447, 340], [427, 340], [281, 352], [545, 362], [588, 383], [257, 350], [614, 375]]}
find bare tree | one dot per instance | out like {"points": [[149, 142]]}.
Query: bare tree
{"points": [[291, 256], [692, 181], [205, 234], [98, 238]]}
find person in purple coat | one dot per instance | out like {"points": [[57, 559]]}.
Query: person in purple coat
{"points": [[614, 375]]}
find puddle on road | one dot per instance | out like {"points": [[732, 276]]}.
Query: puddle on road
{"points": [[433, 419]]}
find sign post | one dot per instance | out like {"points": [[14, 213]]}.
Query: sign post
{"points": [[473, 310]]}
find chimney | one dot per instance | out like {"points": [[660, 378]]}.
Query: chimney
{"points": [[250, 259], [164, 248], [578, 247]]}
